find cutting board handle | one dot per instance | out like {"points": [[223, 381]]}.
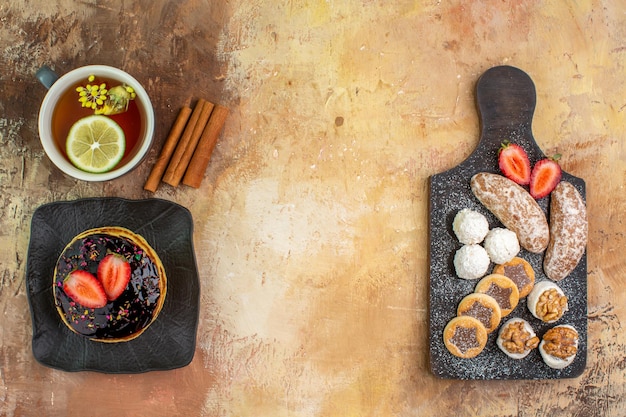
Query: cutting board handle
{"points": [[506, 100]]}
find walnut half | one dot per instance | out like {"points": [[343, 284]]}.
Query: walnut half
{"points": [[551, 305], [561, 342], [516, 339]]}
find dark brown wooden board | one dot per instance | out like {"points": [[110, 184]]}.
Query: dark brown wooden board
{"points": [[506, 101]]}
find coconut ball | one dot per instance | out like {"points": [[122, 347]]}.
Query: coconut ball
{"points": [[471, 262], [470, 226], [501, 245]]}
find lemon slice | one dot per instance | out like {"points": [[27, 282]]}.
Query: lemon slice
{"points": [[95, 144]]}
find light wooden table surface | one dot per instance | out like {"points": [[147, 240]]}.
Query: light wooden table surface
{"points": [[310, 227]]}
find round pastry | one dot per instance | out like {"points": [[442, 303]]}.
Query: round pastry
{"points": [[465, 337], [517, 338], [482, 307], [109, 284], [501, 245], [559, 346], [547, 301], [502, 289], [470, 227], [520, 272], [471, 262]]}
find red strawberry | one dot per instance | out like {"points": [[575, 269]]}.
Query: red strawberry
{"points": [[114, 273], [85, 289], [545, 176], [513, 162]]}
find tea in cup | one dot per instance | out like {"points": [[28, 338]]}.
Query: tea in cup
{"points": [[102, 105]]}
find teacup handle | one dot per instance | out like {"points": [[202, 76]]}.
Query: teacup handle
{"points": [[46, 76]]}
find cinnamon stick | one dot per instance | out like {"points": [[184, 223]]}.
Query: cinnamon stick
{"points": [[193, 141], [152, 183], [202, 155], [173, 173]]}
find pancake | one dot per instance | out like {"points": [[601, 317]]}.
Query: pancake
{"points": [[128, 315]]}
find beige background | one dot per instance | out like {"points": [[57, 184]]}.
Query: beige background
{"points": [[311, 222]]}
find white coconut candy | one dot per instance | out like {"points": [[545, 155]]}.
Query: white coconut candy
{"points": [[501, 245], [470, 226], [471, 262]]}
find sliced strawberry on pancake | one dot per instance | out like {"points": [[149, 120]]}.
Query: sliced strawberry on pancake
{"points": [[114, 274], [85, 289]]}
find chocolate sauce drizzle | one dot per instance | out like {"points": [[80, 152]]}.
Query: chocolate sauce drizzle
{"points": [[122, 317]]}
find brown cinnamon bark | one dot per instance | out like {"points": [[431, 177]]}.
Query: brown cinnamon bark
{"points": [[202, 155], [195, 126], [152, 183]]}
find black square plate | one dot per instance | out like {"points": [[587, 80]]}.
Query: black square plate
{"points": [[169, 342]]}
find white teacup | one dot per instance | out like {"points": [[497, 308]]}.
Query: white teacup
{"points": [[57, 86]]}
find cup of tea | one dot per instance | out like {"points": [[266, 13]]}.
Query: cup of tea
{"points": [[86, 95]]}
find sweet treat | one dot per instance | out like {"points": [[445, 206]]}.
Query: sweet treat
{"points": [[501, 289], [482, 307], [501, 245], [465, 337], [559, 346], [545, 176], [471, 262], [514, 163], [520, 272], [514, 207], [470, 226], [517, 338], [568, 231], [547, 301], [109, 284]]}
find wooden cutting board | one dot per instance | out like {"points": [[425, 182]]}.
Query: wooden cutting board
{"points": [[506, 101]]}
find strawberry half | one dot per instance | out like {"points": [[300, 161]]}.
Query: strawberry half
{"points": [[545, 176], [114, 274], [513, 162], [85, 289]]}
